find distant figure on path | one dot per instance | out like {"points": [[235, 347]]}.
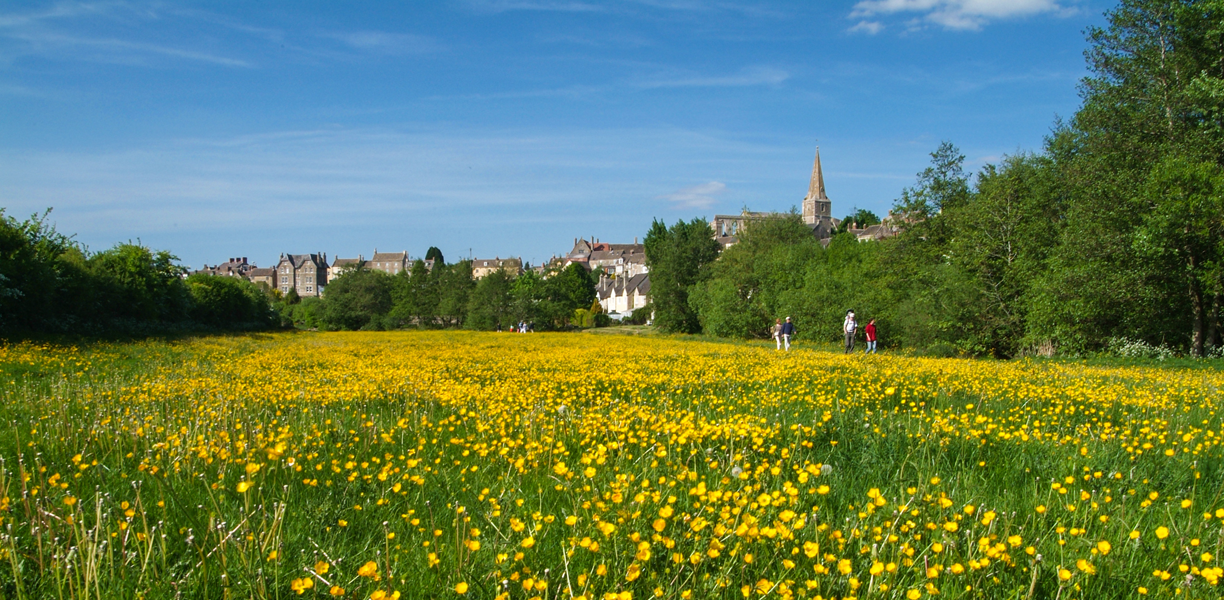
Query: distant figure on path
{"points": [[788, 329], [776, 331], [870, 330], [849, 326]]}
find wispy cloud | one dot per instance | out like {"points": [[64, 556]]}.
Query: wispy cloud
{"points": [[381, 42], [59, 11], [752, 76], [746, 77], [64, 32], [699, 196], [628, 7], [113, 50], [952, 14], [7, 89], [499, 6]]}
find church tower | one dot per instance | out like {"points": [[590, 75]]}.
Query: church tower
{"points": [[816, 205]]}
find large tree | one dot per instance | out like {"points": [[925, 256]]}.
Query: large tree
{"points": [[490, 305], [1151, 108], [741, 294], [676, 256], [358, 299]]}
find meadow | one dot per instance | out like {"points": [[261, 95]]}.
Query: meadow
{"points": [[482, 465]]}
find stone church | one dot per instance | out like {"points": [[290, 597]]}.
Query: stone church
{"points": [[817, 213]]}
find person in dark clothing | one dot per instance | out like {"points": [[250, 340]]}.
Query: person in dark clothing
{"points": [[788, 329], [870, 330]]}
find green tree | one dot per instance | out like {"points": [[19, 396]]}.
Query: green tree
{"points": [[1003, 234], [740, 294], [675, 257], [1183, 231], [454, 285], [136, 283], [358, 299], [1148, 99], [925, 298], [32, 273], [228, 302], [490, 305], [415, 295], [860, 218], [531, 301], [569, 289]]}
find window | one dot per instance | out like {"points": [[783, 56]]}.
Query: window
{"points": [[309, 289], [284, 280], [309, 279]]}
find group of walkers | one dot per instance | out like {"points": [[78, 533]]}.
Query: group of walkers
{"points": [[783, 332]]}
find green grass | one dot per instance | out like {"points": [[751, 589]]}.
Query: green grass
{"points": [[170, 428]]}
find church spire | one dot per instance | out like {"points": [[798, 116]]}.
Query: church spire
{"points": [[817, 208], [816, 189]]}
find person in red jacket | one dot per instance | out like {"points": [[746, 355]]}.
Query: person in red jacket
{"points": [[871, 336]]}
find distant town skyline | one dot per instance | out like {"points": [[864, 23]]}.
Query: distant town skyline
{"points": [[507, 127]]}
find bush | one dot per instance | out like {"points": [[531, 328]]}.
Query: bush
{"points": [[1128, 348], [640, 316], [228, 302]]}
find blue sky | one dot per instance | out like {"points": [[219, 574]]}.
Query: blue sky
{"points": [[501, 127]]}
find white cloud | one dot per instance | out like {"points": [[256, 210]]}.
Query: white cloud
{"points": [[698, 196], [955, 14], [868, 27]]}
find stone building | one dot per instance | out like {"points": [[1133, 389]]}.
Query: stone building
{"points": [[234, 267], [265, 276], [484, 266], [619, 260], [391, 263], [340, 266], [817, 213], [305, 273]]}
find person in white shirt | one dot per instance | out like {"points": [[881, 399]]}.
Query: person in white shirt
{"points": [[849, 326]]}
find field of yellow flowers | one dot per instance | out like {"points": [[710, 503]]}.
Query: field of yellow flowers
{"points": [[473, 465]]}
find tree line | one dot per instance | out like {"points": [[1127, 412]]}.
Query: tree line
{"points": [[446, 296], [51, 284], [1113, 231]]}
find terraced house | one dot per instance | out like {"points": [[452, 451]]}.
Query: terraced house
{"points": [[304, 273]]}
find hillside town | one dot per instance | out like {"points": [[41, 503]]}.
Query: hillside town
{"points": [[622, 270]]}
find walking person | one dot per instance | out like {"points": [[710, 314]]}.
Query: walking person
{"points": [[788, 329], [870, 330], [776, 331], [849, 326]]}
